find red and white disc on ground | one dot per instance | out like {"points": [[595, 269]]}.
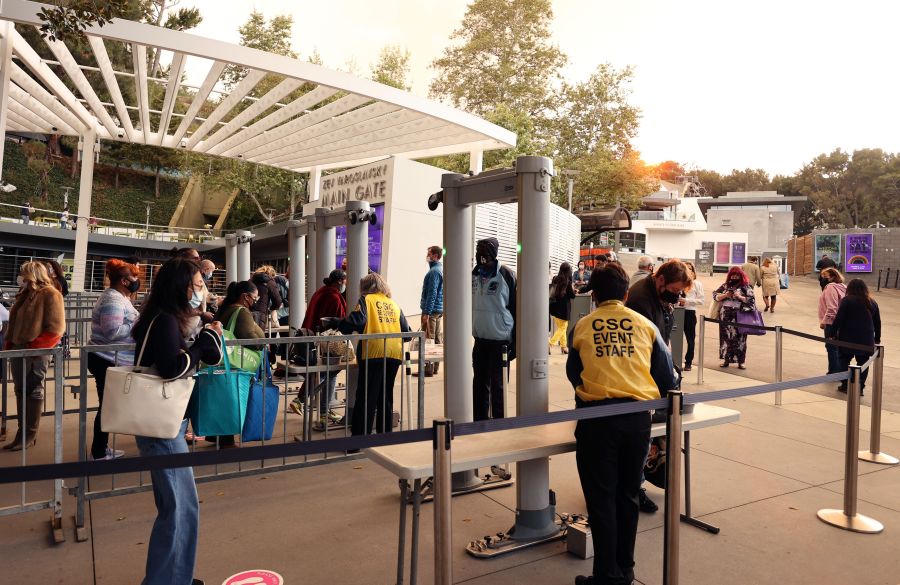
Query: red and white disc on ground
{"points": [[255, 577]]}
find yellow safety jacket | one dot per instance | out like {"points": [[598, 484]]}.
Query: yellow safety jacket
{"points": [[618, 353], [381, 315]]}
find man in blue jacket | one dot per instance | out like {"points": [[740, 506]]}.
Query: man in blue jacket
{"points": [[432, 303], [493, 326]]}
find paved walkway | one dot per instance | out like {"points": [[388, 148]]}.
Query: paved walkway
{"points": [[761, 480]]}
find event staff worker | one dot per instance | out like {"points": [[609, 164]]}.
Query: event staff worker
{"points": [[493, 326], [618, 356], [378, 359]]}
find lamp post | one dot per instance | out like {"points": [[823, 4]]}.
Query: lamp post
{"points": [[147, 221], [570, 173]]}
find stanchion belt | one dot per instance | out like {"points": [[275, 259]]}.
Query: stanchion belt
{"points": [[825, 340]]}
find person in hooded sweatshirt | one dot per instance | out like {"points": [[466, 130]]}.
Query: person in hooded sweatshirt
{"points": [[269, 297], [829, 302]]}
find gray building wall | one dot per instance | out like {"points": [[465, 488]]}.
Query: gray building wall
{"points": [[886, 254], [766, 230]]}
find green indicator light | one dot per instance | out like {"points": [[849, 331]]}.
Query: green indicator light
{"points": [[518, 248]]}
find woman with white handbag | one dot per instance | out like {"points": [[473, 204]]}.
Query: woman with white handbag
{"points": [[164, 323]]}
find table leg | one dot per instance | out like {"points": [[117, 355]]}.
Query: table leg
{"points": [[686, 517], [414, 553], [401, 547]]}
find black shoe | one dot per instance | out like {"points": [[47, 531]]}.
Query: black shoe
{"points": [[645, 503], [197, 582], [582, 580], [842, 389]]}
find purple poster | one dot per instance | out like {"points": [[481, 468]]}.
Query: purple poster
{"points": [[858, 253], [738, 252], [376, 235]]}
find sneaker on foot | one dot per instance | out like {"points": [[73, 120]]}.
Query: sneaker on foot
{"points": [[296, 406], [111, 454], [645, 503]]}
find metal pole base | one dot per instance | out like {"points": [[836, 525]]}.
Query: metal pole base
{"points": [[484, 483], [881, 458], [504, 542], [858, 523]]}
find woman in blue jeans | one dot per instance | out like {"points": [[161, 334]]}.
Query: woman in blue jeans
{"points": [[172, 551]]}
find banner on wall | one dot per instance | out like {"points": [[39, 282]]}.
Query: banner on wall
{"points": [[827, 244], [858, 250], [703, 261], [723, 252], [738, 252]]}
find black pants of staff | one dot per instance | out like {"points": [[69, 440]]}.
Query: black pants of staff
{"points": [[97, 366], [690, 334], [487, 385], [861, 357], [610, 455], [374, 396]]}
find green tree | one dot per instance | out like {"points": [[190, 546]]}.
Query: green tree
{"points": [[69, 18], [38, 156], [712, 182], [668, 171], [502, 55], [608, 178], [273, 36], [392, 67], [746, 180]]}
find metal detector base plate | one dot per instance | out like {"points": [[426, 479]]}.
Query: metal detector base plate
{"points": [[881, 458], [501, 546], [488, 483], [858, 523]]}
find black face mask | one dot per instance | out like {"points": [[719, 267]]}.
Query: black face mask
{"points": [[133, 285], [668, 296], [734, 282]]}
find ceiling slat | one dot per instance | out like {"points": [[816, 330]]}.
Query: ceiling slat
{"points": [[258, 107], [296, 107], [45, 98], [109, 77], [176, 70], [28, 101], [139, 54], [27, 114], [199, 99], [240, 91]]}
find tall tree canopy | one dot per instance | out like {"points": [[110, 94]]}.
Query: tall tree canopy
{"points": [[392, 67]]}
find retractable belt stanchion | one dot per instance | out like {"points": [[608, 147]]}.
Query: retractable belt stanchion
{"points": [[779, 361], [701, 334], [874, 454], [443, 529], [673, 489], [847, 518]]}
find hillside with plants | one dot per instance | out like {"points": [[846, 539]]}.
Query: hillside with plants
{"points": [[120, 198]]}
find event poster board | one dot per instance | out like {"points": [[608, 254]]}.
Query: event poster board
{"points": [[723, 252], [858, 250], [738, 252], [827, 244], [703, 261]]}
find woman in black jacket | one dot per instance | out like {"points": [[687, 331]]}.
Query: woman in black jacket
{"points": [[561, 294], [269, 296], [172, 551], [857, 321]]}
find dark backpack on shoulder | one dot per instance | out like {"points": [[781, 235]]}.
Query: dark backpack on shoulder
{"points": [[304, 354]]}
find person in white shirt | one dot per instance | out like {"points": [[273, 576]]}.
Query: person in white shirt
{"points": [[693, 297]]}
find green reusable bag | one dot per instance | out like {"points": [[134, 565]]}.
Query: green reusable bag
{"points": [[241, 357]]}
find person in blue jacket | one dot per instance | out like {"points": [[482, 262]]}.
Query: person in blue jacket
{"points": [[493, 326], [432, 303]]}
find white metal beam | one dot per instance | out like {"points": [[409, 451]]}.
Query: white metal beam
{"points": [[76, 76], [6, 50], [393, 124], [282, 136], [13, 116], [298, 106], [199, 99], [258, 107], [85, 190], [46, 75], [23, 112], [176, 70], [245, 86], [42, 97], [139, 56], [112, 84]]}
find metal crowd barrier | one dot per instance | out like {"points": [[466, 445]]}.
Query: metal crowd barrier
{"points": [[54, 503], [291, 385], [442, 436]]}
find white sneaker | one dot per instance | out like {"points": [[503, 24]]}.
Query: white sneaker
{"points": [[111, 454]]}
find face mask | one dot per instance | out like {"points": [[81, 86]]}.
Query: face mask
{"points": [[735, 282], [20, 281], [196, 300], [133, 286], [669, 296], [343, 288], [206, 277]]}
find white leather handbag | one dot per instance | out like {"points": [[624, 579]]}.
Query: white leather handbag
{"points": [[139, 402]]}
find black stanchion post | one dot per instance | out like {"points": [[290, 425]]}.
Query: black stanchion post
{"points": [[848, 519], [443, 530], [673, 489], [887, 278], [874, 454]]}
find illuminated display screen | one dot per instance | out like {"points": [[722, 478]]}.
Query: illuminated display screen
{"points": [[376, 237]]}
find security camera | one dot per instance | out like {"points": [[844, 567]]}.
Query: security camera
{"points": [[435, 199], [121, 134], [373, 219], [183, 143], [352, 217], [55, 129]]}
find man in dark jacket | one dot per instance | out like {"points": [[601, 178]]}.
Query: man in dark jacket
{"points": [[493, 326], [432, 302], [269, 297], [654, 295]]}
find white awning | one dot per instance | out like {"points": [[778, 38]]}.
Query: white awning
{"points": [[339, 121]]}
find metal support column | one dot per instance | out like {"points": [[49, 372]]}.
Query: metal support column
{"points": [[779, 361], [243, 254], [297, 274], [231, 255], [310, 276], [874, 454], [848, 519], [701, 343], [85, 189], [6, 45], [325, 248], [673, 490], [443, 528], [535, 515], [359, 215]]}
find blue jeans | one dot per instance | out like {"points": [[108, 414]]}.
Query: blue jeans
{"points": [[173, 541], [834, 353], [327, 389]]}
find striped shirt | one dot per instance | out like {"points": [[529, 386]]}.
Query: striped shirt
{"points": [[111, 322]]}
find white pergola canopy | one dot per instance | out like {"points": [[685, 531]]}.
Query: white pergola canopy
{"points": [[367, 121]]}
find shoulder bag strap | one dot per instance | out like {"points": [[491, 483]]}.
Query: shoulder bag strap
{"points": [[233, 320], [137, 364]]}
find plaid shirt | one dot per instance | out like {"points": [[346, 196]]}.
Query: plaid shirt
{"points": [[111, 322]]}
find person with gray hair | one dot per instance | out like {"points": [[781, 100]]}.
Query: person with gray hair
{"points": [[645, 269]]}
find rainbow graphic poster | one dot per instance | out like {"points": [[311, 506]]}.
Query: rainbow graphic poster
{"points": [[858, 253]]}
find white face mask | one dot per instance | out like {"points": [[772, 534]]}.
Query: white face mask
{"points": [[196, 300], [343, 288], [20, 281]]}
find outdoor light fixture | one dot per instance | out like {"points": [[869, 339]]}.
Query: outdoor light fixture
{"points": [[435, 199], [7, 187]]}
